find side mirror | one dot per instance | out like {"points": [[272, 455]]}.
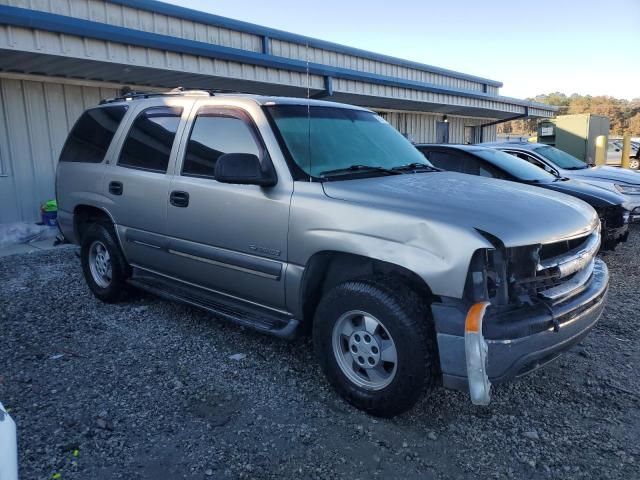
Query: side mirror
{"points": [[243, 169]]}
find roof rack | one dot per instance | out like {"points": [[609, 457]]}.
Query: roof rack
{"points": [[179, 91]]}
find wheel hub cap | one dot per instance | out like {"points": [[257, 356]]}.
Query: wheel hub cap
{"points": [[100, 264], [364, 350]]}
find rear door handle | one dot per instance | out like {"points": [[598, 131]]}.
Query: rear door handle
{"points": [[179, 199], [115, 188]]}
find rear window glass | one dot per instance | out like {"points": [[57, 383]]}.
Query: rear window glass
{"points": [[91, 136], [150, 139]]}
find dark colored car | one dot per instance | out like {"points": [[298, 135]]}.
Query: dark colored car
{"points": [[624, 181], [488, 162]]}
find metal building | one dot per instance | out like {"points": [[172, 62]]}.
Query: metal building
{"points": [[58, 57]]}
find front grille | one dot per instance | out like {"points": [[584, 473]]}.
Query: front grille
{"points": [[565, 267]]}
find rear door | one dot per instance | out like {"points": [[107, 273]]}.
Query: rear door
{"points": [[225, 237], [137, 183]]}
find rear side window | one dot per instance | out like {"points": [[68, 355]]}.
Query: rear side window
{"points": [[212, 135], [475, 166], [447, 161], [150, 139], [92, 134]]}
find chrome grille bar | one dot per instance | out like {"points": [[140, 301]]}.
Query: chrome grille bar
{"points": [[574, 260], [571, 287]]}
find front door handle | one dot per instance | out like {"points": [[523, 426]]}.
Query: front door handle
{"points": [[179, 199], [115, 188]]}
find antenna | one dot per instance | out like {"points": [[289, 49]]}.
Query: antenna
{"points": [[308, 111]]}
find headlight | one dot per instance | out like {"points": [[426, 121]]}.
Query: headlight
{"points": [[628, 189]]}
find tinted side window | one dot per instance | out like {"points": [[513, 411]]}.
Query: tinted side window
{"points": [[92, 134], [475, 166], [214, 135], [148, 144], [531, 160], [447, 161]]}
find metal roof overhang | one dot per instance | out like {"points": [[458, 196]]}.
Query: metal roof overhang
{"points": [[81, 68], [176, 11]]}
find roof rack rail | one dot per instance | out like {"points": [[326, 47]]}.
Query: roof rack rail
{"points": [[128, 94]]}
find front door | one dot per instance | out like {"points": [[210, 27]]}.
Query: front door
{"points": [[225, 237], [442, 132]]}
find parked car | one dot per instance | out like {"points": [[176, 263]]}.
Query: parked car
{"points": [[488, 162], [614, 154], [297, 216], [560, 163], [8, 446]]}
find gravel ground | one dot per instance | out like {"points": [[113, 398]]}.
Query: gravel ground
{"points": [[149, 389]]}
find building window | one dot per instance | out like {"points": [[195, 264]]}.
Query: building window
{"points": [[149, 142], [91, 136], [214, 135]]}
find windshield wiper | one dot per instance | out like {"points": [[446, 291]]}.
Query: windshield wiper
{"points": [[417, 166], [358, 168]]}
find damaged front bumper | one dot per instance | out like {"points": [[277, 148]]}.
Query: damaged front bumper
{"points": [[518, 340]]}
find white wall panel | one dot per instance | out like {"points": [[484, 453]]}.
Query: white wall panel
{"points": [[35, 118], [421, 127], [122, 16]]}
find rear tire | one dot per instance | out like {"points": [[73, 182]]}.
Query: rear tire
{"points": [[375, 342], [103, 264]]}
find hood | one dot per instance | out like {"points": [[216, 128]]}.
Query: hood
{"points": [[515, 213], [613, 174], [597, 197]]}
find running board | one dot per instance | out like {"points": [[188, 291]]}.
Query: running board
{"points": [[245, 314]]}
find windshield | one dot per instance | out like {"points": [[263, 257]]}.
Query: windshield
{"points": [[561, 159], [322, 140], [519, 168]]}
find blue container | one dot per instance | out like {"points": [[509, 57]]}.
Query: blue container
{"points": [[50, 219]]}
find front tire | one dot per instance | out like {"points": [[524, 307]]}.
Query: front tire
{"points": [[103, 264], [375, 342]]}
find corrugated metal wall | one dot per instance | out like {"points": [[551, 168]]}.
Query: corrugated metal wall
{"points": [[421, 127], [80, 48], [35, 118], [114, 14]]}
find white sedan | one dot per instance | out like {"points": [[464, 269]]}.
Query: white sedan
{"points": [[8, 447]]}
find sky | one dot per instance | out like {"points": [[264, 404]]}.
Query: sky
{"points": [[533, 47]]}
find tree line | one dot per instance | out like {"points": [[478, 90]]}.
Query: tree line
{"points": [[624, 115]]}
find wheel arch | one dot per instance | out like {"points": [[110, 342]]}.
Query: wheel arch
{"points": [[326, 269], [84, 215]]}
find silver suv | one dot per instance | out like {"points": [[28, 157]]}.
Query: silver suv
{"points": [[299, 216]]}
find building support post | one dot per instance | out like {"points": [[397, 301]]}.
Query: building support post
{"points": [[497, 122], [626, 149]]}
